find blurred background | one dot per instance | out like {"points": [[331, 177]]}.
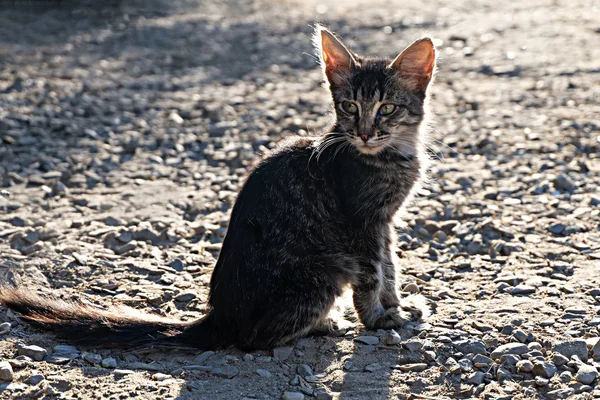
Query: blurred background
{"points": [[127, 128]]}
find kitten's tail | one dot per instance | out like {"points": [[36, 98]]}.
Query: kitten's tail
{"points": [[117, 327]]}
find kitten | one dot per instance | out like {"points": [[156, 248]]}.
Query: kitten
{"points": [[314, 217]]}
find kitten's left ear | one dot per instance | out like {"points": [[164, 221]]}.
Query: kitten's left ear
{"points": [[415, 64]]}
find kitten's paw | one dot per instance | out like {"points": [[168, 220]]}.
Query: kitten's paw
{"points": [[392, 318], [417, 306], [332, 327]]}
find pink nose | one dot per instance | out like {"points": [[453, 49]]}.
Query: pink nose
{"points": [[364, 138]]}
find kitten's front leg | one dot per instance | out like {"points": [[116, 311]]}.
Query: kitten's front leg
{"points": [[416, 306], [367, 300], [389, 292]]}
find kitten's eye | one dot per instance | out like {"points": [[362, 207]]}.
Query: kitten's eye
{"points": [[349, 107], [387, 109]]}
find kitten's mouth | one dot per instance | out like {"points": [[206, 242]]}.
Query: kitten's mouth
{"points": [[372, 146]]}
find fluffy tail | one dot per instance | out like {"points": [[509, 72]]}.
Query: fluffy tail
{"points": [[119, 326]]}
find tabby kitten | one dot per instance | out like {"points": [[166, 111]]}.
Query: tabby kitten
{"points": [[312, 218]]}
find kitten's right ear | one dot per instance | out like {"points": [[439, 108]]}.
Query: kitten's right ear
{"points": [[336, 60]]}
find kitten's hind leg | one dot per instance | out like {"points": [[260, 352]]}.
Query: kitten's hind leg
{"points": [[292, 312], [336, 322]]}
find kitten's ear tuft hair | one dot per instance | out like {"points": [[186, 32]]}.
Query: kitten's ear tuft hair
{"points": [[336, 60], [415, 64]]}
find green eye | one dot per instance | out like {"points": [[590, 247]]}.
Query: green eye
{"points": [[349, 107], [387, 109]]}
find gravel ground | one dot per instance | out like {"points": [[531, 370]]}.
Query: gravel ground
{"points": [[126, 131]]}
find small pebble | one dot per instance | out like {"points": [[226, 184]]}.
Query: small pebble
{"points": [[481, 361], [413, 345], [304, 370], [373, 367], [227, 372], [524, 366], [6, 371], [523, 289], [476, 378], [411, 288], [372, 340], [160, 377], [263, 373], [565, 377], [282, 353], [36, 353], [392, 338], [416, 367], [509, 348], [109, 362], [544, 369], [292, 396], [586, 374], [34, 379]]}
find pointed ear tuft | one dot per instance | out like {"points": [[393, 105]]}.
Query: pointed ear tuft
{"points": [[415, 64], [336, 60]]}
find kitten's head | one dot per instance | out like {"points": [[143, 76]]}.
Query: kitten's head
{"points": [[379, 103]]}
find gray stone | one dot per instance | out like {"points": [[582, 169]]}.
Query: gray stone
{"points": [[520, 335], [565, 183], [373, 367], [282, 353], [292, 396], [559, 360], [177, 264], [565, 377], [202, 358], [476, 378], [304, 370], [534, 346], [509, 348], [572, 348], [524, 366], [557, 228], [227, 372], [109, 362], [544, 369], [372, 340], [36, 353], [586, 374], [248, 357], [6, 371], [263, 373], [470, 346], [5, 327], [322, 394], [413, 345], [465, 364], [481, 361], [541, 381], [92, 358], [523, 289], [510, 359], [185, 297], [416, 367], [392, 338], [559, 394], [35, 378]]}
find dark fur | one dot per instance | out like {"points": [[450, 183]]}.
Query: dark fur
{"points": [[312, 218]]}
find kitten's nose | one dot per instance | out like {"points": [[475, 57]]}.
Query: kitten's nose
{"points": [[364, 138]]}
